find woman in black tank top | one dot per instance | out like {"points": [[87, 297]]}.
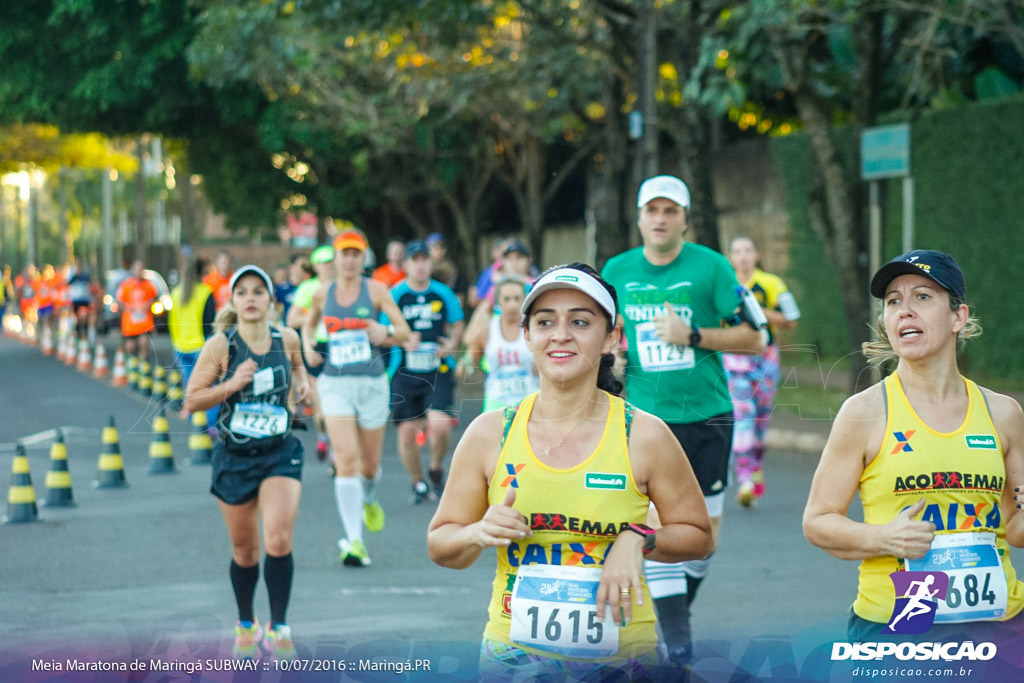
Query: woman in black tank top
{"points": [[249, 368]]}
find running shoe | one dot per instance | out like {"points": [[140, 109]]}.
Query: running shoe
{"points": [[681, 656], [758, 478], [420, 493], [247, 639], [745, 494], [353, 553], [323, 447], [277, 643], [373, 516], [436, 482]]}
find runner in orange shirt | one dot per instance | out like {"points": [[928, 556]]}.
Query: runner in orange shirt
{"points": [[218, 278], [136, 296]]}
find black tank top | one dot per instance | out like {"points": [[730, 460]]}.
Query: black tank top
{"points": [[257, 418]]}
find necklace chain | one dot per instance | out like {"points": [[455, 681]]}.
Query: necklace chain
{"points": [[547, 451]]}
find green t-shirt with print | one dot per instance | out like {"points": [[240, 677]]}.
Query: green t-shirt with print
{"points": [[679, 384], [303, 299]]}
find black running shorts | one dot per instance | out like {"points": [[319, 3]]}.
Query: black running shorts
{"points": [[414, 393], [237, 475], [707, 444]]}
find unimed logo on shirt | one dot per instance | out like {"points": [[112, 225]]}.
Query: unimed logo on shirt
{"points": [[981, 441], [602, 480]]}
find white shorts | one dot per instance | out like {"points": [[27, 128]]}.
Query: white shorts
{"points": [[366, 398]]}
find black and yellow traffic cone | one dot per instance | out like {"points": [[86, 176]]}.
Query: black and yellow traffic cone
{"points": [[161, 453], [159, 383], [200, 445], [111, 465], [145, 378], [21, 497], [175, 395], [133, 373], [58, 478]]}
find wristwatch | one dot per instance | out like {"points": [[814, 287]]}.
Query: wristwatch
{"points": [[650, 542], [695, 335]]}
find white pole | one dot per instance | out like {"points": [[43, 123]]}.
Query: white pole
{"points": [[908, 213], [875, 234]]}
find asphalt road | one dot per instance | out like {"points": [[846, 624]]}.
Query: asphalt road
{"points": [[141, 572]]}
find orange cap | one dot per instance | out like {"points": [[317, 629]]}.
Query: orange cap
{"points": [[349, 240]]}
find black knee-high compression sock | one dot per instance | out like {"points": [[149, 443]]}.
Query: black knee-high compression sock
{"points": [[277, 572], [244, 580]]}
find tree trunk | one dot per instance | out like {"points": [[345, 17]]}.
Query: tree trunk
{"points": [[613, 216]]}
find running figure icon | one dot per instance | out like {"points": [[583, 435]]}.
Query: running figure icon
{"points": [[917, 593]]}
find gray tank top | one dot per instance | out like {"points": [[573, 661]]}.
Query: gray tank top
{"points": [[349, 351], [257, 419]]}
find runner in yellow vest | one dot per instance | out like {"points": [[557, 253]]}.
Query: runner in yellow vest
{"points": [[936, 461], [560, 484]]}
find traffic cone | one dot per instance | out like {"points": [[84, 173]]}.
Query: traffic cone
{"points": [[21, 497], [159, 383], [120, 376], [99, 363], [111, 465], [58, 478], [174, 392], [70, 353], [133, 373], [145, 379], [47, 345], [199, 443], [84, 357], [161, 453]]}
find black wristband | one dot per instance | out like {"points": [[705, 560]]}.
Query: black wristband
{"points": [[695, 335]]}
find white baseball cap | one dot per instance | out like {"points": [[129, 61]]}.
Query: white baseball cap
{"points": [[667, 186], [571, 278], [251, 270]]}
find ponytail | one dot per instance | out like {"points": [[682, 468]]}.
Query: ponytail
{"points": [[606, 380], [225, 320]]}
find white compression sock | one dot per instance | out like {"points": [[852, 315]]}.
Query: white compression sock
{"points": [[348, 494]]}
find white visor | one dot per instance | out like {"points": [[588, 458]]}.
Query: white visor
{"points": [[570, 278], [252, 270]]}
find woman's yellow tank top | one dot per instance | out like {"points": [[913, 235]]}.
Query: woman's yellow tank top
{"points": [[960, 474], [575, 515]]}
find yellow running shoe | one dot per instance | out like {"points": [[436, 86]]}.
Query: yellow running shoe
{"points": [[278, 642], [373, 516], [247, 638]]}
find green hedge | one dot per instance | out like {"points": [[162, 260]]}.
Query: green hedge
{"points": [[968, 169]]}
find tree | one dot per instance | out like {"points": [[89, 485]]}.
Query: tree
{"points": [[839, 61]]}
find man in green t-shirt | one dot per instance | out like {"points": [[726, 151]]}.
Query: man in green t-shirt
{"points": [[675, 296]]}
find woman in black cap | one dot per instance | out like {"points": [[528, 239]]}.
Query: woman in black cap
{"points": [[248, 368], [939, 464]]}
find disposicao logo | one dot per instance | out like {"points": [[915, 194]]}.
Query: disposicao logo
{"points": [[917, 596], [601, 480], [981, 441]]}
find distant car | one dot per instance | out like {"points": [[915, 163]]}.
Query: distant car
{"points": [[112, 309]]}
